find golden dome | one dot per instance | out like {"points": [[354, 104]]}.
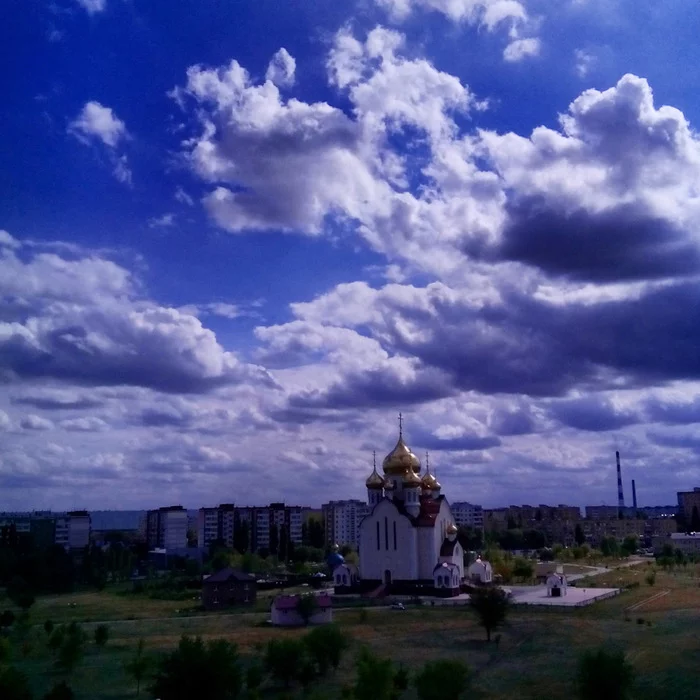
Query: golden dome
{"points": [[374, 481], [410, 478], [452, 529], [429, 480], [401, 460]]}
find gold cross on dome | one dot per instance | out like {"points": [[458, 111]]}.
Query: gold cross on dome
{"points": [[400, 425]]}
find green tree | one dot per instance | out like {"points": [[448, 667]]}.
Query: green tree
{"points": [[60, 691], [491, 607], [579, 535], [48, 627], [14, 685], [307, 606], [5, 650], [629, 545], [609, 547], [253, 677], [326, 645], [101, 635], [604, 675], [72, 649], [523, 569], [283, 659], [56, 639], [650, 578], [375, 677], [209, 671], [137, 667], [446, 679], [7, 619]]}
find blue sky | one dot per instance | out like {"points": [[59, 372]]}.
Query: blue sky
{"points": [[239, 237]]}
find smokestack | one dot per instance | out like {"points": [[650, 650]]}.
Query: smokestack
{"points": [[620, 494], [634, 496]]}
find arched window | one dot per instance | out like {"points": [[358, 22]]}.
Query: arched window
{"points": [[377, 535], [386, 533]]}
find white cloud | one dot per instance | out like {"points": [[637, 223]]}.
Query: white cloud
{"points": [[584, 62], [184, 198], [93, 6], [519, 49], [281, 69], [164, 221], [98, 122], [34, 422], [487, 13]]}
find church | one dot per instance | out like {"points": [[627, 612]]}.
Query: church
{"points": [[408, 543]]}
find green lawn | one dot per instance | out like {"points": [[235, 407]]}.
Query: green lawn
{"points": [[536, 658]]}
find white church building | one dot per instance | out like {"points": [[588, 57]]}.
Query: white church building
{"points": [[408, 543]]}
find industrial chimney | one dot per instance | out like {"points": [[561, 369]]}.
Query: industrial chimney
{"points": [[634, 497], [620, 495]]}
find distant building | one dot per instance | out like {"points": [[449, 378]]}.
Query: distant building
{"points": [[689, 507], [166, 528], [215, 524], [688, 543], [271, 527], [342, 520], [228, 587], [556, 585], [284, 611], [69, 530], [468, 515], [480, 572]]}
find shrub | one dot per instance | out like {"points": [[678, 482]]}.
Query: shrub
{"points": [[101, 635]]}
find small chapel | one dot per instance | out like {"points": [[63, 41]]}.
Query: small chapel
{"points": [[408, 543]]}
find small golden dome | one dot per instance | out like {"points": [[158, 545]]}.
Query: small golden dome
{"points": [[401, 460], [429, 480], [374, 481], [452, 529], [411, 479]]}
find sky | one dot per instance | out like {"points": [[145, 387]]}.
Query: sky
{"points": [[238, 238]]}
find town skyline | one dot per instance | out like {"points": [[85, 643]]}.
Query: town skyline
{"points": [[236, 240]]}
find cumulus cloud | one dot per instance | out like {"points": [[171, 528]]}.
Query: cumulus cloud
{"points": [[99, 124], [281, 69], [81, 321], [95, 121], [487, 13], [164, 221], [34, 422], [518, 49], [88, 424], [93, 7]]}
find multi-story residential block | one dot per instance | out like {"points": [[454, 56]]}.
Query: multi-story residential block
{"points": [[645, 529], [260, 522], [215, 524], [166, 528], [68, 530], [688, 543], [342, 520], [468, 514], [689, 507]]}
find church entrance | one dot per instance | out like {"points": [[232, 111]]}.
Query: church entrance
{"points": [[387, 577]]}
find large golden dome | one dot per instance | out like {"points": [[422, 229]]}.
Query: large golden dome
{"points": [[401, 460], [410, 478]]}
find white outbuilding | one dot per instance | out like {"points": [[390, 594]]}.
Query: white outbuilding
{"points": [[556, 585], [480, 572]]}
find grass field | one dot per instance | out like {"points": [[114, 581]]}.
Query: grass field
{"points": [[537, 656]]}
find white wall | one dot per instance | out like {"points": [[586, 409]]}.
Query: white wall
{"points": [[402, 562]]}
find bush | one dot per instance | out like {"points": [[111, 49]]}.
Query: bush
{"points": [[445, 679], [60, 691], [14, 685], [7, 618], [101, 635], [48, 627]]}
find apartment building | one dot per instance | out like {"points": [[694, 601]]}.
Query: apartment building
{"points": [[688, 543], [341, 520], [468, 514], [689, 506], [215, 524], [69, 530], [260, 521], [166, 528]]}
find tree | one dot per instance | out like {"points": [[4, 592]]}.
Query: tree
{"points": [[523, 569], [579, 535], [5, 650], [101, 635], [56, 639], [7, 619], [629, 545], [14, 685], [609, 547], [71, 651], [137, 667], [283, 659], [491, 607], [375, 677], [307, 606], [604, 675], [60, 691], [209, 671], [326, 646], [253, 677], [650, 578], [445, 679], [48, 627]]}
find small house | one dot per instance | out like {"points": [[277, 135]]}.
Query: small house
{"points": [[446, 579], [285, 610], [480, 572], [228, 587], [556, 585], [345, 576]]}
